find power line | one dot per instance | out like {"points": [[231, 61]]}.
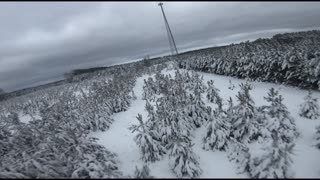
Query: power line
{"points": [[173, 47]]}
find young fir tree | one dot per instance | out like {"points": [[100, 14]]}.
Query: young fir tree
{"points": [[195, 84], [240, 154], [151, 123], [218, 131], [167, 128], [95, 115], [219, 103], [230, 109], [149, 89], [150, 147], [183, 161], [133, 95], [275, 161], [260, 132], [317, 137], [197, 110], [13, 117], [231, 86], [279, 113], [213, 93], [97, 161], [172, 121], [310, 108], [243, 115], [5, 144], [142, 173]]}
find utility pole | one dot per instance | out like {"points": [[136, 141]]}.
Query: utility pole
{"points": [[173, 47]]}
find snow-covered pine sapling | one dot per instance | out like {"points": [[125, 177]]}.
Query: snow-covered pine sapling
{"points": [[149, 89], [97, 161], [310, 108], [240, 154], [212, 91], [197, 110], [134, 97], [219, 103], [231, 86], [196, 84], [183, 161], [199, 87], [151, 122], [142, 173], [150, 147], [5, 144], [317, 137], [275, 161], [243, 115], [148, 107], [145, 88], [260, 132], [279, 113], [166, 126], [230, 106], [102, 118], [218, 131], [213, 94], [13, 117]]}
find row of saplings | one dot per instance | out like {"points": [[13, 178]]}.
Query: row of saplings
{"points": [[58, 144], [176, 108]]}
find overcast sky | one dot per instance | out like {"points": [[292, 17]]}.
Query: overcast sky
{"points": [[40, 41]]}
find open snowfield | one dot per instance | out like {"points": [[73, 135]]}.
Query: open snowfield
{"points": [[119, 139]]}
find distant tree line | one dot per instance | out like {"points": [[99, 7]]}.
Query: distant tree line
{"points": [[290, 58], [2, 94]]}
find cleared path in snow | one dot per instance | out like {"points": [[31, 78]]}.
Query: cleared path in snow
{"points": [[119, 138]]}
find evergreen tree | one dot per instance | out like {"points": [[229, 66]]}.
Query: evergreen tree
{"points": [[230, 110], [197, 110], [150, 147], [240, 154], [151, 122], [149, 89], [166, 126], [213, 94], [260, 131], [310, 108], [171, 121], [183, 161], [276, 160], [134, 97], [142, 173], [278, 113], [218, 131], [95, 115], [196, 84], [5, 145], [317, 137], [231, 86], [243, 115], [13, 117]]}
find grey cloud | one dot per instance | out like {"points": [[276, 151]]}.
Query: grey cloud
{"points": [[41, 41]]}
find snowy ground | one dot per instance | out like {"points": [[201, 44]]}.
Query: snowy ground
{"points": [[119, 139]]}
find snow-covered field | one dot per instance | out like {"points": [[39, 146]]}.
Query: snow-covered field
{"points": [[119, 139]]}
